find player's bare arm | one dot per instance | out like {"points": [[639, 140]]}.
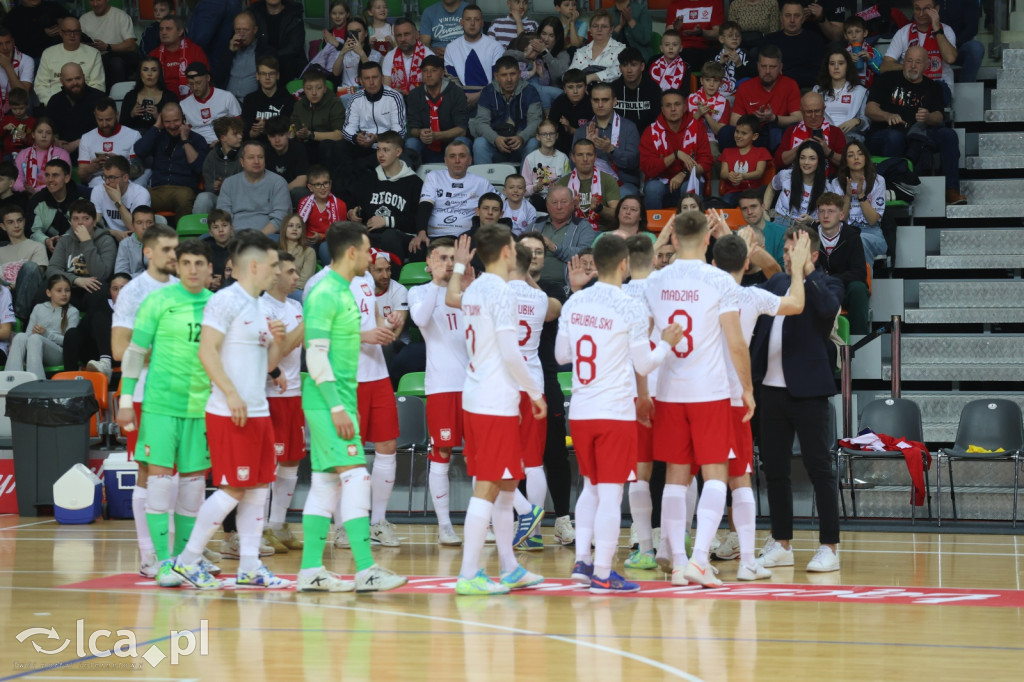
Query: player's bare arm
{"points": [[740, 354]]}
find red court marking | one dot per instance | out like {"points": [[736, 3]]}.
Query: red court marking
{"points": [[654, 589]]}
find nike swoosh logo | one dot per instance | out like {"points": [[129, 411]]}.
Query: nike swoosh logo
{"points": [[248, 322]]}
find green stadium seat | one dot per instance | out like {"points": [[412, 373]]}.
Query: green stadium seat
{"points": [[193, 225], [843, 329], [413, 274], [565, 381], [412, 384]]}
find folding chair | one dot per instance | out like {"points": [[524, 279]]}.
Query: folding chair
{"points": [[412, 432], [494, 173], [193, 225], [565, 382], [99, 388], [413, 274], [411, 384], [989, 423], [658, 218], [427, 167]]}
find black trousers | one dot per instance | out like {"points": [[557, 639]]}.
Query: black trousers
{"points": [[90, 340], [781, 416], [556, 455]]}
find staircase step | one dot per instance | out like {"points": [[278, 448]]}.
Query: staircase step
{"points": [[993, 262], [997, 162], [964, 315], [931, 371], [1013, 59], [1007, 98], [963, 358], [1000, 210], [1010, 78], [1001, 144], [1004, 115], [973, 242], [991, 295], [992, 192]]}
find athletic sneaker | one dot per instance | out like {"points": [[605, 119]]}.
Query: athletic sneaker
{"points": [[383, 534], [479, 586], [102, 365], [209, 566], [285, 537], [679, 577], [728, 549], [262, 577], [582, 572], [324, 581], [774, 554], [490, 540], [754, 572], [165, 575], [273, 541], [197, 575], [149, 566], [705, 576], [229, 548], [715, 542], [565, 534], [341, 538], [446, 537], [643, 561], [613, 584], [824, 561], [378, 579], [211, 556], [528, 524], [663, 555], [533, 543], [520, 579]]}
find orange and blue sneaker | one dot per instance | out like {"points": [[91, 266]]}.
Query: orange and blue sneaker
{"points": [[613, 584], [582, 572]]}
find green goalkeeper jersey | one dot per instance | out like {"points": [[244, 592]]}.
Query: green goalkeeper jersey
{"points": [[168, 322], [330, 312]]}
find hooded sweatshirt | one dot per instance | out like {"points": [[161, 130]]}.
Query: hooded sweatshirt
{"points": [[641, 104], [92, 258], [395, 198]]}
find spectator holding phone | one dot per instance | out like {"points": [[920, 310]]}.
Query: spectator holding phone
{"points": [[143, 102]]}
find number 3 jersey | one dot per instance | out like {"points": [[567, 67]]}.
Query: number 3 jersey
{"points": [[489, 307], [693, 294], [532, 308]]}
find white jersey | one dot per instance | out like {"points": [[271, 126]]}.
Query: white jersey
{"points": [[522, 218], [24, 68], [489, 307], [785, 206], [288, 311], [136, 195], [395, 298], [454, 201], [876, 197], [371, 356], [599, 326], [532, 308], [637, 290], [201, 115], [695, 295], [444, 335], [121, 143], [754, 302], [129, 300], [244, 322], [313, 281]]}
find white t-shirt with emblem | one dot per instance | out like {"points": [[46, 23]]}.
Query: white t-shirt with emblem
{"points": [[244, 322], [489, 307], [754, 302], [522, 218], [532, 308], [444, 334], [785, 205], [395, 298], [695, 295], [637, 290], [24, 69], [129, 300], [136, 195], [454, 201], [201, 115], [121, 143], [876, 197], [371, 356], [288, 311]]}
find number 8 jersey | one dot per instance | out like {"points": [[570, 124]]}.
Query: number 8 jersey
{"points": [[695, 295]]}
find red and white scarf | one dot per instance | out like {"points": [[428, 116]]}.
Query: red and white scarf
{"points": [[333, 209], [590, 215], [716, 104], [669, 75], [34, 164], [399, 79], [435, 120], [801, 133], [659, 135], [606, 166], [930, 43], [183, 89]]}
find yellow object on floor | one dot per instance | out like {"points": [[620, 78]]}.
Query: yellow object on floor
{"points": [[979, 449]]}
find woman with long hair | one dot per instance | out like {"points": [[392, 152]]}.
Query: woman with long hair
{"points": [[799, 187], [845, 98], [863, 192], [142, 103]]}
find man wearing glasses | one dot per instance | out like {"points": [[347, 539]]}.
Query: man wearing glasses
{"points": [[267, 101], [117, 197], [70, 51]]}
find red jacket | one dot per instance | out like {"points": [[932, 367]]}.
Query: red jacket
{"points": [[691, 137]]}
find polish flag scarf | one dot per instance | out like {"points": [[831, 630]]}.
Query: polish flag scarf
{"points": [[405, 82], [669, 75], [590, 215], [930, 43], [606, 166]]}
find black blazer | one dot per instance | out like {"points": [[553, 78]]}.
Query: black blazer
{"points": [[806, 363]]}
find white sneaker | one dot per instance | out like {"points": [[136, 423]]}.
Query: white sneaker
{"points": [[705, 576], [382, 534], [715, 543], [148, 565], [378, 579], [679, 577], [211, 556], [102, 365], [774, 554], [446, 537], [754, 572], [565, 534], [728, 549], [230, 549], [209, 566], [341, 538], [324, 581], [824, 561]]}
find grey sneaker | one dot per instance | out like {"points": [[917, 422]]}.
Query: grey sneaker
{"points": [[382, 534], [324, 581], [378, 579]]}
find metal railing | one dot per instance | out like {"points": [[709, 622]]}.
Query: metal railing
{"points": [[847, 353]]}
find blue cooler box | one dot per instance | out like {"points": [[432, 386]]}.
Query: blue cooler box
{"points": [[77, 496], [119, 483]]}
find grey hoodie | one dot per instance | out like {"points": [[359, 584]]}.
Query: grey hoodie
{"points": [[92, 258]]}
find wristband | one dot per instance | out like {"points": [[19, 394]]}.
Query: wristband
{"points": [[459, 269], [126, 402], [337, 409], [275, 373]]}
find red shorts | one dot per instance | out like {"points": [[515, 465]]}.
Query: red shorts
{"points": [[533, 433], [132, 437], [378, 411], [693, 433], [289, 422], [605, 449], [241, 457], [644, 442], [492, 447], [743, 444], [444, 423]]}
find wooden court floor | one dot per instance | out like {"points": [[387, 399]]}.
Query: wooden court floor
{"points": [[951, 607]]}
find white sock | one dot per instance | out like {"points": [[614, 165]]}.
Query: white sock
{"points": [[586, 509], [709, 516], [536, 486], [606, 527], [139, 496], [191, 495], [504, 530], [691, 503], [283, 488], [382, 479], [478, 518], [213, 511], [673, 524], [437, 480], [640, 508], [744, 515], [521, 504], [355, 498], [250, 527], [174, 504]]}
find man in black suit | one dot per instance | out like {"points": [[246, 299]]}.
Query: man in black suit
{"points": [[790, 362]]}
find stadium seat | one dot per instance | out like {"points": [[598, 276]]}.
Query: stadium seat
{"points": [[843, 329], [565, 381], [9, 380], [658, 218], [733, 218], [16, 328], [427, 167], [294, 86], [411, 384], [99, 388], [655, 42], [989, 424], [494, 173], [896, 417], [119, 90], [412, 432], [193, 225], [413, 274]]}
